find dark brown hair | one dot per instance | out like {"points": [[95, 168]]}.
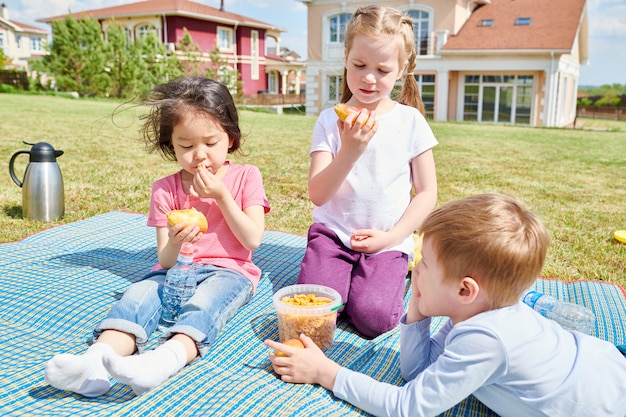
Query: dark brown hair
{"points": [[194, 94]]}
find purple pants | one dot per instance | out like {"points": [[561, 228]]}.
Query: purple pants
{"points": [[371, 286]]}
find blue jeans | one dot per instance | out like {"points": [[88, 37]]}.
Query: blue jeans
{"points": [[220, 293]]}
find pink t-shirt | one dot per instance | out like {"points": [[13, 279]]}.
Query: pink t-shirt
{"points": [[218, 246]]}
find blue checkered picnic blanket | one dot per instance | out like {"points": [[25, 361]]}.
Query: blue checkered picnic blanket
{"points": [[58, 284]]}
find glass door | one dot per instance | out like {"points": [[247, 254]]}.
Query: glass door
{"points": [[489, 96]]}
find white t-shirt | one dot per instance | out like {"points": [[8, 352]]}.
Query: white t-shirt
{"points": [[377, 190], [515, 361]]}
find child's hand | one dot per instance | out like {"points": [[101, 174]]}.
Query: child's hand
{"points": [[303, 366], [206, 184], [182, 232], [369, 240], [357, 130], [413, 313]]}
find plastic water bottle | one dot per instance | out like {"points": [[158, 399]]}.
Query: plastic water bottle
{"points": [[180, 284], [569, 315]]}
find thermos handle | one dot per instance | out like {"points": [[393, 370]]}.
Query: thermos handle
{"points": [[11, 171]]}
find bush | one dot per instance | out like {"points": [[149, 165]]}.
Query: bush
{"points": [[8, 89]]}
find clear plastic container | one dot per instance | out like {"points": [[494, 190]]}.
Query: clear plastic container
{"points": [[318, 322]]}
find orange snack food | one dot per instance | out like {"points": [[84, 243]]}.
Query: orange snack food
{"points": [[320, 328], [296, 343], [308, 309], [343, 110], [188, 216], [305, 300]]}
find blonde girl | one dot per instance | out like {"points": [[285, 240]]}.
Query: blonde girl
{"points": [[372, 177]]}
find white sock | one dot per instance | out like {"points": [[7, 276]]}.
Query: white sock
{"points": [[83, 374], [148, 370]]}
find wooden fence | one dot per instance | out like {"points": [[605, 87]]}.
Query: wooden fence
{"points": [[269, 99], [17, 79], [602, 112]]}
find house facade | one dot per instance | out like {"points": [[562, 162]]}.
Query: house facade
{"points": [[243, 42], [489, 61], [19, 41]]}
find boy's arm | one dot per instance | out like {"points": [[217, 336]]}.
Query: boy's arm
{"points": [[417, 349], [463, 368]]}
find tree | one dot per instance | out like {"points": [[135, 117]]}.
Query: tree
{"points": [[219, 70], [82, 60], [606, 95], [121, 66], [191, 62], [160, 65], [77, 60], [4, 60]]}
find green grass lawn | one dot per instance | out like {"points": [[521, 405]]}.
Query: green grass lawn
{"points": [[575, 180]]}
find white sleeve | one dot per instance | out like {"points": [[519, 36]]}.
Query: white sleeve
{"points": [[417, 349], [326, 133], [470, 359]]}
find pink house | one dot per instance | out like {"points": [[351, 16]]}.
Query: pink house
{"points": [[250, 47]]}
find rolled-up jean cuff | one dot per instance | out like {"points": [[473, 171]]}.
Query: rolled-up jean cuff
{"points": [[121, 325], [189, 331]]}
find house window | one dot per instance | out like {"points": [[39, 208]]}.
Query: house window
{"points": [[426, 86], [225, 39], [426, 83], [18, 41], [498, 98], [129, 36], [334, 88], [254, 52], [272, 82], [486, 22], [523, 21], [524, 99], [144, 30], [421, 30], [338, 27], [1, 39], [35, 43]]}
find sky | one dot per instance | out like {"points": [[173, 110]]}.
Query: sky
{"points": [[607, 27]]}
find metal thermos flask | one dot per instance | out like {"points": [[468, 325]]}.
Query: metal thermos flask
{"points": [[42, 186]]}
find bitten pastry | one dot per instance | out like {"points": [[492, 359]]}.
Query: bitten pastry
{"points": [[343, 110], [189, 216], [296, 343]]}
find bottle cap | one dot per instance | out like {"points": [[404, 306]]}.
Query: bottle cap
{"points": [[186, 249], [531, 298]]}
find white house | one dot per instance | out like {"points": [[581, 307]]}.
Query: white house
{"points": [[490, 61], [20, 42]]}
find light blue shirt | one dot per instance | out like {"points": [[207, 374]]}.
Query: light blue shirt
{"points": [[512, 359]]}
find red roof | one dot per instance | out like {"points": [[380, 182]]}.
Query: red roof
{"points": [[553, 26], [167, 7], [29, 28]]}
